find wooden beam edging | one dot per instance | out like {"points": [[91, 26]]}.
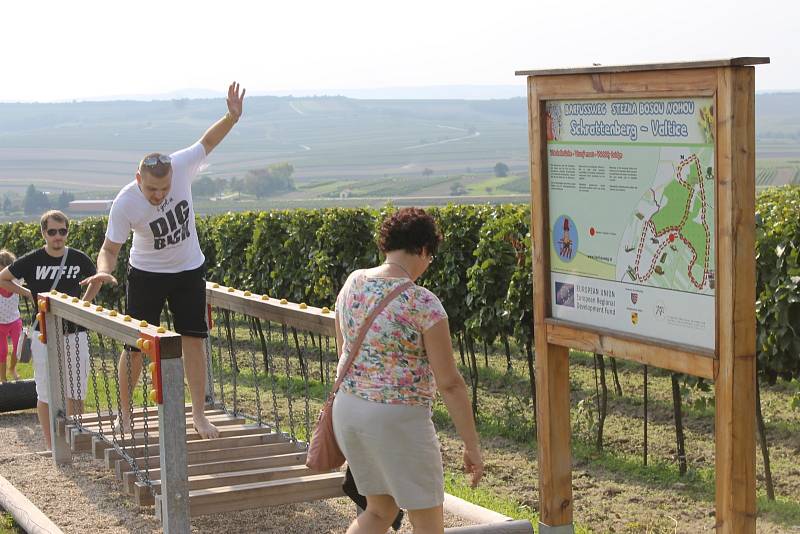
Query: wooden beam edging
{"points": [[501, 527], [300, 316], [470, 511], [25, 513], [671, 356], [110, 323]]}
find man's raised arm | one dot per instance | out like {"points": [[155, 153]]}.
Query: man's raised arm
{"points": [[220, 129]]}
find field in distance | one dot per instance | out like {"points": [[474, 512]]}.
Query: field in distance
{"points": [[339, 147]]}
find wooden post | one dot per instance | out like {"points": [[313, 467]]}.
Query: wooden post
{"points": [[552, 361], [735, 416], [173, 508], [54, 328]]}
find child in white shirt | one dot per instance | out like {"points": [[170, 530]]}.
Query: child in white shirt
{"points": [[10, 322]]}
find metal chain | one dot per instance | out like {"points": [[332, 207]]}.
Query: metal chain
{"points": [[79, 416], [145, 423], [321, 361], [230, 326], [273, 382], [304, 371], [114, 352], [221, 371], [104, 370], [328, 385], [93, 371], [131, 387], [251, 325], [69, 370], [209, 369], [292, 432], [59, 341]]}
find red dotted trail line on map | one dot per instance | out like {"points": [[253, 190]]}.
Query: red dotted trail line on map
{"points": [[677, 229]]}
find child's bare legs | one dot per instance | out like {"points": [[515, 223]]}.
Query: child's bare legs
{"points": [[12, 364], [14, 333], [74, 406], [3, 356], [43, 411]]}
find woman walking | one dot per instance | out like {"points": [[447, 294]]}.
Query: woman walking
{"points": [[382, 412]]}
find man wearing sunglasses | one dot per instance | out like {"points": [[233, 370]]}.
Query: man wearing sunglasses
{"points": [[40, 270], [166, 264]]}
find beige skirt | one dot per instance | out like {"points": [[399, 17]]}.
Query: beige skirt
{"points": [[392, 449]]}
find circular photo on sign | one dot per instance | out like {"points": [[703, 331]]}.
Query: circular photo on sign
{"points": [[565, 238]]}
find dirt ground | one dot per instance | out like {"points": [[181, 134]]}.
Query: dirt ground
{"points": [[629, 498], [86, 497]]}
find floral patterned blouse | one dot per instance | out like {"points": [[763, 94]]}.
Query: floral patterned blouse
{"points": [[392, 366]]}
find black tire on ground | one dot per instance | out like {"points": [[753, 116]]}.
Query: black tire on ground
{"points": [[20, 395]]}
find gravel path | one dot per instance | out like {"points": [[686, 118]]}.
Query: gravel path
{"points": [[86, 497]]}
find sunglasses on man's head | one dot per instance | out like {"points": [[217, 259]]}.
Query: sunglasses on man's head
{"points": [[152, 161], [60, 231]]}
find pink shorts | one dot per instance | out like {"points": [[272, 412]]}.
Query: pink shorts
{"points": [[10, 330]]}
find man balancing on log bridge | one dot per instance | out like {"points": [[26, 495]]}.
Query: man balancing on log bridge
{"points": [[166, 264]]}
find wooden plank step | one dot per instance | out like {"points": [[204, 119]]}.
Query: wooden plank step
{"points": [[144, 497], [230, 442], [216, 455], [80, 439], [111, 454], [262, 494], [217, 420], [278, 460], [100, 444], [91, 417], [94, 426]]}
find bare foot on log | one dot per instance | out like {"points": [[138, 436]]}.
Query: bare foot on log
{"points": [[204, 427]]}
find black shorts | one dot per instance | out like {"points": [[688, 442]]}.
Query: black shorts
{"points": [[146, 293]]}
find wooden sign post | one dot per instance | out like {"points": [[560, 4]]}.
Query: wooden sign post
{"points": [[643, 199]]}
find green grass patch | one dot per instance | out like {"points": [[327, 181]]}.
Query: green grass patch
{"points": [[456, 484], [8, 525], [781, 510], [492, 186]]}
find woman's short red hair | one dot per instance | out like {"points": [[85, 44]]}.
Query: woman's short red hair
{"points": [[409, 229]]}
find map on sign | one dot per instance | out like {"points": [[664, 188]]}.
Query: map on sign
{"points": [[632, 207], [668, 241]]}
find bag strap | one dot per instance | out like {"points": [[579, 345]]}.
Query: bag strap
{"points": [[60, 268], [355, 348], [55, 282]]}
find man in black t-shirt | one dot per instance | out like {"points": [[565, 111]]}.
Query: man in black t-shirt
{"points": [[39, 268]]}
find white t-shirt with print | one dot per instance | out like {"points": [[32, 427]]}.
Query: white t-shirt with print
{"points": [[164, 236]]}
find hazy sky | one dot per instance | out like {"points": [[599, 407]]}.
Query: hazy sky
{"points": [[57, 50]]}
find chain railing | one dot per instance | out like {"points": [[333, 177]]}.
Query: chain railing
{"points": [[271, 361], [84, 342], [270, 365]]}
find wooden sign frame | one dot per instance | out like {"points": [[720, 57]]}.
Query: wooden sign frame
{"points": [[732, 365]]}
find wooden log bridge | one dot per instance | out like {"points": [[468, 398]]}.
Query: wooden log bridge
{"points": [[248, 466]]}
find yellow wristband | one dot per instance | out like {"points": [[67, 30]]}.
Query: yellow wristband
{"points": [[229, 115]]}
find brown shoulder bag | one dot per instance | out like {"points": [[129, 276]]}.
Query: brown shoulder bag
{"points": [[324, 453]]}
